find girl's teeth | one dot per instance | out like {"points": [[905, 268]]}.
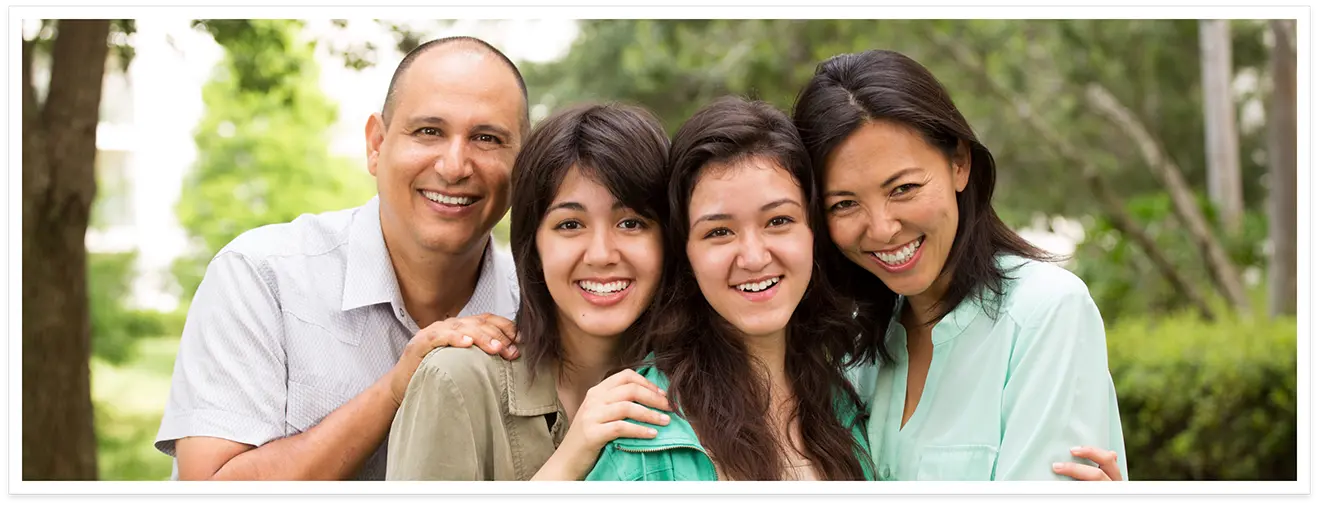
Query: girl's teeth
{"points": [[603, 288], [758, 287]]}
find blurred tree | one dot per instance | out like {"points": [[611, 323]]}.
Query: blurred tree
{"points": [[263, 144], [1282, 168], [59, 151], [1221, 131]]}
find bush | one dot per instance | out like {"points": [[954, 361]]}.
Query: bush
{"points": [[115, 326], [1206, 401]]}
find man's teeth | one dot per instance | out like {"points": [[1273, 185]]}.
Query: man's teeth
{"points": [[901, 256], [759, 287], [603, 288], [445, 199]]}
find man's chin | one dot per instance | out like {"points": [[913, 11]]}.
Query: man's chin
{"points": [[454, 242]]}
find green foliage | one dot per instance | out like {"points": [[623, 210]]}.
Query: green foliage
{"points": [[1206, 401], [1124, 281], [116, 328], [676, 66], [501, 230], [129, 399], [263, 147]]}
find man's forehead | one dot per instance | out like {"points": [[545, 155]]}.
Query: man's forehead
{"points": [[459, 77]]}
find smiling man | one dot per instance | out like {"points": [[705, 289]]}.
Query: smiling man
{"points": [[303, 336]]}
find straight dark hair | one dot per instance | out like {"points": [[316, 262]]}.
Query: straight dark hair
{"points": [[851, 89], [620, 147], [714, 382]]}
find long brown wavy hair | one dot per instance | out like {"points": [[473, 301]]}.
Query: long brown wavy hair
{"points": [[714, 381]]}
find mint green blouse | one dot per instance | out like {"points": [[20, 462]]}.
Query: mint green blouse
{"points": [[1005, 397]]}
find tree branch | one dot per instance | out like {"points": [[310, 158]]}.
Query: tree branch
{"points": [[1225, 275], [1111, 204]]}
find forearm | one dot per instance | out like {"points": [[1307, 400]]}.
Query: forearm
{"points": [[564, 465], [569, 463], [334, 449]]}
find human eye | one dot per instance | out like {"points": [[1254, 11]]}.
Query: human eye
{"points": [[569, 224], [843, 205]]}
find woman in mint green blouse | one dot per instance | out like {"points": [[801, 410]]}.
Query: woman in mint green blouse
{"points": [[991, 361]]}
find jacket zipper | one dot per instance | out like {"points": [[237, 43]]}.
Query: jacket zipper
{"points": [[708, 459]]}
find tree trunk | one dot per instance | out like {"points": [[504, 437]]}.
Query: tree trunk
{"points": [[59, 152], [1224, 272], [1112, 205], [1222, 156], [1282, 170]]}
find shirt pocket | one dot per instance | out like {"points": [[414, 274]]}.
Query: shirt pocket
{"points": [[956, 463]]}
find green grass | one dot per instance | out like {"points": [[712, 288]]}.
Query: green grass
{"points": [[129, 400]]}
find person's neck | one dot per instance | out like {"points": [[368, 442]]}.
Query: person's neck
{"points": [[770, 351], [435, 286], [586, 360], [921, 309]]}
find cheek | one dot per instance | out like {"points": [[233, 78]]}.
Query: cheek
{"points": [[797, 251], [555, 257], [932, 211], [646, 255], [495, 170], [846, 230], [406, 160], [706, 263]]}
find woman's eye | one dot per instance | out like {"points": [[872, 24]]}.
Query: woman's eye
{"points": [[779, 221], [904, 189], [718, 232], [842, 205], [568, 225], [632, 224]]}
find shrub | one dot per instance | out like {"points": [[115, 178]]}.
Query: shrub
{"points": [[1206, 400]]}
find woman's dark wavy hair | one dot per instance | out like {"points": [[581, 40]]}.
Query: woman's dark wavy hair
{"points": [[620, 147], [714, 382], [851, 89]]}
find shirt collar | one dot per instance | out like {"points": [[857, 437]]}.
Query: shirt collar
{"points": [[532, 398], [369, 276]]}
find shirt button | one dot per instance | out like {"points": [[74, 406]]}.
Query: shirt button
{"points": [[886, 474]]}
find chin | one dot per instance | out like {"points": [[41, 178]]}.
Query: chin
{"points": [[760, 327], [604, 328], [909, 289], [453, 239]]}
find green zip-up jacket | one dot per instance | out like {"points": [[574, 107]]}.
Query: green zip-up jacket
{"points": [[675, 453]]}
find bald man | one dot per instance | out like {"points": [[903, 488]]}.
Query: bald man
{"points": [[303, 336]]}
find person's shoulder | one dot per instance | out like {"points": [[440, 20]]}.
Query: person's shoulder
{"points": [[1039, 295], [1032, 281], [505, 269], [306, 235], [1034, 287]]}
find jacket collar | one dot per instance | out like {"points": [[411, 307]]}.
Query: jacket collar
{"points": [[677, 433], [527, 397]]}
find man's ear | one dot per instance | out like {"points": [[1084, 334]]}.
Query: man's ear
{"points": [[375, 136]]}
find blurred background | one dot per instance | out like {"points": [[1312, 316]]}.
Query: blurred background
{"points": [[1159, 156]]}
